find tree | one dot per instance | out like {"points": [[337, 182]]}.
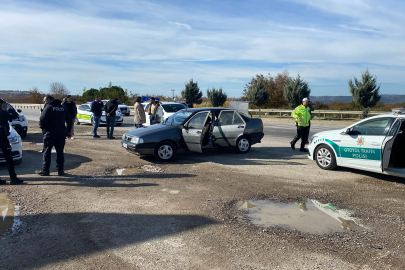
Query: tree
{"points": [[296, 91], [112, 91], [274, 85], [365, 93], [216, 97], [90, 95], [58, 90], [36, 97], [192, 92], [258, 95]]}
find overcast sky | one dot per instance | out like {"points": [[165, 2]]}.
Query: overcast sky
{"points": [[155, 46]]}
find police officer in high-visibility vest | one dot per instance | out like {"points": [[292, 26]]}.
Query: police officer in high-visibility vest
{"points": [[302, 115]]}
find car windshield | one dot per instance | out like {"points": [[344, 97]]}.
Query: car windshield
{"points": [[171, 108], [177, 118]]}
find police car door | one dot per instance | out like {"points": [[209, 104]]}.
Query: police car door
{"points": [[387, 146], [361, 145]]}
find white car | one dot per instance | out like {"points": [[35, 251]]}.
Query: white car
{"points": [[123, 108], [166, 109], [375, 144], [20, 124], [85, 116], [16, 147]]}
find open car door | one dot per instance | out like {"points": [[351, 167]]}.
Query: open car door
{"points": [[387, 150], [193, 131]]}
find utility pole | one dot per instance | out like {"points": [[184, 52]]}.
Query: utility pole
{"points": [[173, 93]]}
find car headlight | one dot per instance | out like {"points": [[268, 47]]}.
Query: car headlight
{"points": [[14, 140], [312, 139], [136, 140]]}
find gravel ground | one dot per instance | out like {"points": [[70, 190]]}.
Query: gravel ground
{"points": [[185, 217]]}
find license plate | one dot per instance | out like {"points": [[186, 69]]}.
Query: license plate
{"points": [[125, 145]]}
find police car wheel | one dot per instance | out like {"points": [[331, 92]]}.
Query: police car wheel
{"points": [[243, 145], [165, 151], [325, 157], [23, 134], [77, 121]]}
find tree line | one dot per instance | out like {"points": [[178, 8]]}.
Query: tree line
{"points": [[263, 91]]}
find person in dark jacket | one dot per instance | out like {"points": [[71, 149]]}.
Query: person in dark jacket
{"points": [[110, 110], [72, 109], [52, 122], [189, 103], [7, 115], [97, 110]]}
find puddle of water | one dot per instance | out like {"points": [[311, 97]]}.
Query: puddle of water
{"points": [[8, 214], [309, 216], [125, 171]]}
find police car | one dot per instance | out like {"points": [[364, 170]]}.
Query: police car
{"points": [[85, 116], [375, 144], [16, 147], [20, 124]]}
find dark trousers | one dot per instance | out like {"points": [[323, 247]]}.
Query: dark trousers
{"points": [[302, 133], [6, 149], [110, 125], [59, 144]]}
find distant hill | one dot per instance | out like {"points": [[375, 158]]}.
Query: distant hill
{"points": [[386, 99]]}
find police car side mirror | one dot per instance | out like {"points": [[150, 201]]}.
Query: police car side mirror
{"points": [[19, 110]]}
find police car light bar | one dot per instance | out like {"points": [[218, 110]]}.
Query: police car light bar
{"points": [[398, 111]]}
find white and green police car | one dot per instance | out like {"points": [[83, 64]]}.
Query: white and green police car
{"points": [[85, 116], [375, 144]]}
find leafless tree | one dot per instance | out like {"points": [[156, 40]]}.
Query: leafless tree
{"points": [[58, 90]]}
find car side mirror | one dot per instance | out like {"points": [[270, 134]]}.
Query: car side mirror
{"points": [[400, 132], [19, 111]]}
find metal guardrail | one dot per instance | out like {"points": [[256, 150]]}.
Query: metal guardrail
{"points": [[280, 112]]}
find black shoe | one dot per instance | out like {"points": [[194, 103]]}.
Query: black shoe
{"points": [[3, 182], [16, 181], [111, 138], [108, 137], [96, 136], [292, 146], [42, 173], [304, 150], [307, 142], [61, 173]]}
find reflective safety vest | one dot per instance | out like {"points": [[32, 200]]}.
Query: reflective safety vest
{"points": [[304, 113]]}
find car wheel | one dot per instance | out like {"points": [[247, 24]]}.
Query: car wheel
{"points": [[243, 145], [18, 161], [325, 157], [165, 151], [23, 134], [92, 121], [77, 121]]}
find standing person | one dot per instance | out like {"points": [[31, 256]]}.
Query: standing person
{"points": [[72, 110], [7, 115], [110, 110], [302, 115], [139, 113], [152, 110], [96, 109], [52, 122], [46, 100], [189, 104]]}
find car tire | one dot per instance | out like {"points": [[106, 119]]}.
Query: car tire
{"points": [[23, 134], [77, 121], [243, 145], [165, 151], [92, 121], [18, 161], [325, 157]]}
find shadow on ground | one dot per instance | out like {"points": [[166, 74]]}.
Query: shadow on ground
{"points": [[227, 156], [67, 236]]}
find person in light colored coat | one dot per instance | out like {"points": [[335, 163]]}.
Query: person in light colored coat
{"points": [[139, 113]]}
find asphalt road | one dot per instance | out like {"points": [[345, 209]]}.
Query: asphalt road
{"points": [[279, 130]]}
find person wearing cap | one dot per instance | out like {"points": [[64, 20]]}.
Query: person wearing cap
{"points": [[302, 115]]}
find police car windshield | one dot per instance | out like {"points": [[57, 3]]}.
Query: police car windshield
{"points": [[177, 118]]}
